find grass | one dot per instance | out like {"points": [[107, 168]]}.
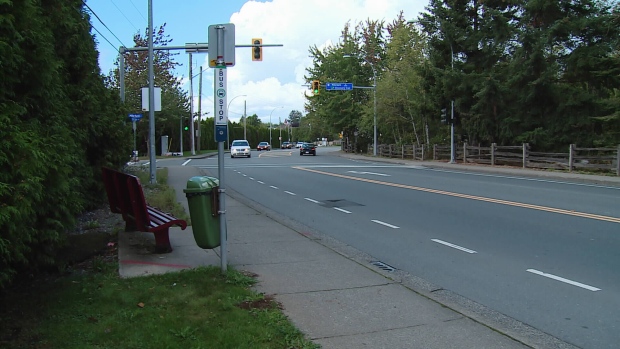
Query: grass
{"points": [[95, 308], [198, 308]]}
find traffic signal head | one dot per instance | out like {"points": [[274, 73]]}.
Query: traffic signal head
{"points": [[316, 87], [257, 51]]}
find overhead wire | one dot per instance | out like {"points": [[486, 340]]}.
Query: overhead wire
{"points": [[93, 12], [119, 10]]}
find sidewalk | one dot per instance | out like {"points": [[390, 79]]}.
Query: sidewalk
{"points": [[330, 291]]}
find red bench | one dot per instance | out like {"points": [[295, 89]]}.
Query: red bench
{"points": [[125, 196]]}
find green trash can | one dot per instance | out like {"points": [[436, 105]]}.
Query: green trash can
{"points": [[203, 201]]}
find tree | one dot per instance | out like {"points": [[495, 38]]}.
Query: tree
{"points": [[175, 102], [62, 125]]}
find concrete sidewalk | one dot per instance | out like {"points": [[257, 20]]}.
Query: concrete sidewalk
{"points": [[329, 290]]}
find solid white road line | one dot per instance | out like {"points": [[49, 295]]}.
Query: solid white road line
{"points": [[185, 163], [311, 200], [386, 224], [288, 192], [571, 282], [341, 210], [271, 186], [261, 182], [453, 246]]}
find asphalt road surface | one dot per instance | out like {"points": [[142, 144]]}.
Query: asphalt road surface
{"points": [[543, 252]]}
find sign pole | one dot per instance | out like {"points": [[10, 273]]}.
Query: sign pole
{"points": [[221, 122]]}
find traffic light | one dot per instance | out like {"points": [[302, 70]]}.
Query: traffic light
{"points": [[185, 124], [444, 116], [316, 87], [257, 51]]}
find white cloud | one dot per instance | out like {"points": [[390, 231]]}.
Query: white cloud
{"points": [[297, 25]]}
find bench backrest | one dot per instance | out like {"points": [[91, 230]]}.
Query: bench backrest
{"points": [[118, 192], [138, 202]]}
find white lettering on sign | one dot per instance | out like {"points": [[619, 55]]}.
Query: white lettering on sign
{"points": [[221, 108]]}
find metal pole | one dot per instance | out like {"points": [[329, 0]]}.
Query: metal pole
{"points": [[199, 110], [121, 71], [452, 151], [280, 127], [191, 107], [152, 164], [374, 76], [181, 135], [220, 161], [244, 119], [270, 123]]}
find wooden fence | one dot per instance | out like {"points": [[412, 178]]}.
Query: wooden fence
{"points": [[599, 159]]}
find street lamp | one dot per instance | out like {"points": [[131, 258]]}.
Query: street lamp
{"points": [[270, 123], [227, 128], [374, 90]]}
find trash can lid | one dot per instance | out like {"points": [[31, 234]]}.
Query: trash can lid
{"points": [[199, 184]]}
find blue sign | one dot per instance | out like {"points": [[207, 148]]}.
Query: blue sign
{"points": [[135, 117], [338, 86], [221, 133]]}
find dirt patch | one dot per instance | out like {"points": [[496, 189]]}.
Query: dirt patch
{"points": [[267, 302], [95, 237]]}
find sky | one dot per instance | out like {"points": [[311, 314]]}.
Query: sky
{"points": [[271, 88]]}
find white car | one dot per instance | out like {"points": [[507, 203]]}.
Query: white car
{"points": [[299, 144], [240, 148]]}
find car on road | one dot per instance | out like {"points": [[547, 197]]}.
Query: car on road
{"points": [[240, 147], [286, 145], [307, 148], [263, 146], [299, 144]]}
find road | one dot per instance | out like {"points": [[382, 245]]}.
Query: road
{"points": [[542, 252]]}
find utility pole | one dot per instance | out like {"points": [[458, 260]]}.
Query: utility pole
{"points": [[199, 112], [245, 116], [452, 150], [191, 107], [152, 164]]}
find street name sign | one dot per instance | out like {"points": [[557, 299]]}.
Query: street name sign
{"points": [[338, 86]]}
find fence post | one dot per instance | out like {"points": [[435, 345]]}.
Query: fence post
{"points": [[414, 152], [423, 147], [464, 152], [570, 157], [402, 152], [618, 161], [492, 154], [434, 151], [524, 155]]}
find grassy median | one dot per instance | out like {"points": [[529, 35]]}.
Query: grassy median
{"points": [[88, 305]]}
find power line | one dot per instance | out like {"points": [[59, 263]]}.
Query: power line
{"points": [[93, 12], [92, 26], [140, 13], [119, 10]]}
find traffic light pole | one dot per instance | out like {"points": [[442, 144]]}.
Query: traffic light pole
{"points": [[452, 151]]}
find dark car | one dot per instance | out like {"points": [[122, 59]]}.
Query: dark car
{"points": [[307, 148], [263, 146], [286, 145]]}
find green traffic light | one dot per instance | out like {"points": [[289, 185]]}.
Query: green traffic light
{"points": [[186, 128]]}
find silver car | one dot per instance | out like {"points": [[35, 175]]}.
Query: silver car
{"points": [[240, 148]]}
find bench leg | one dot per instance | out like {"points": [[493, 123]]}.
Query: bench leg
{"points": [[162, 241]]}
